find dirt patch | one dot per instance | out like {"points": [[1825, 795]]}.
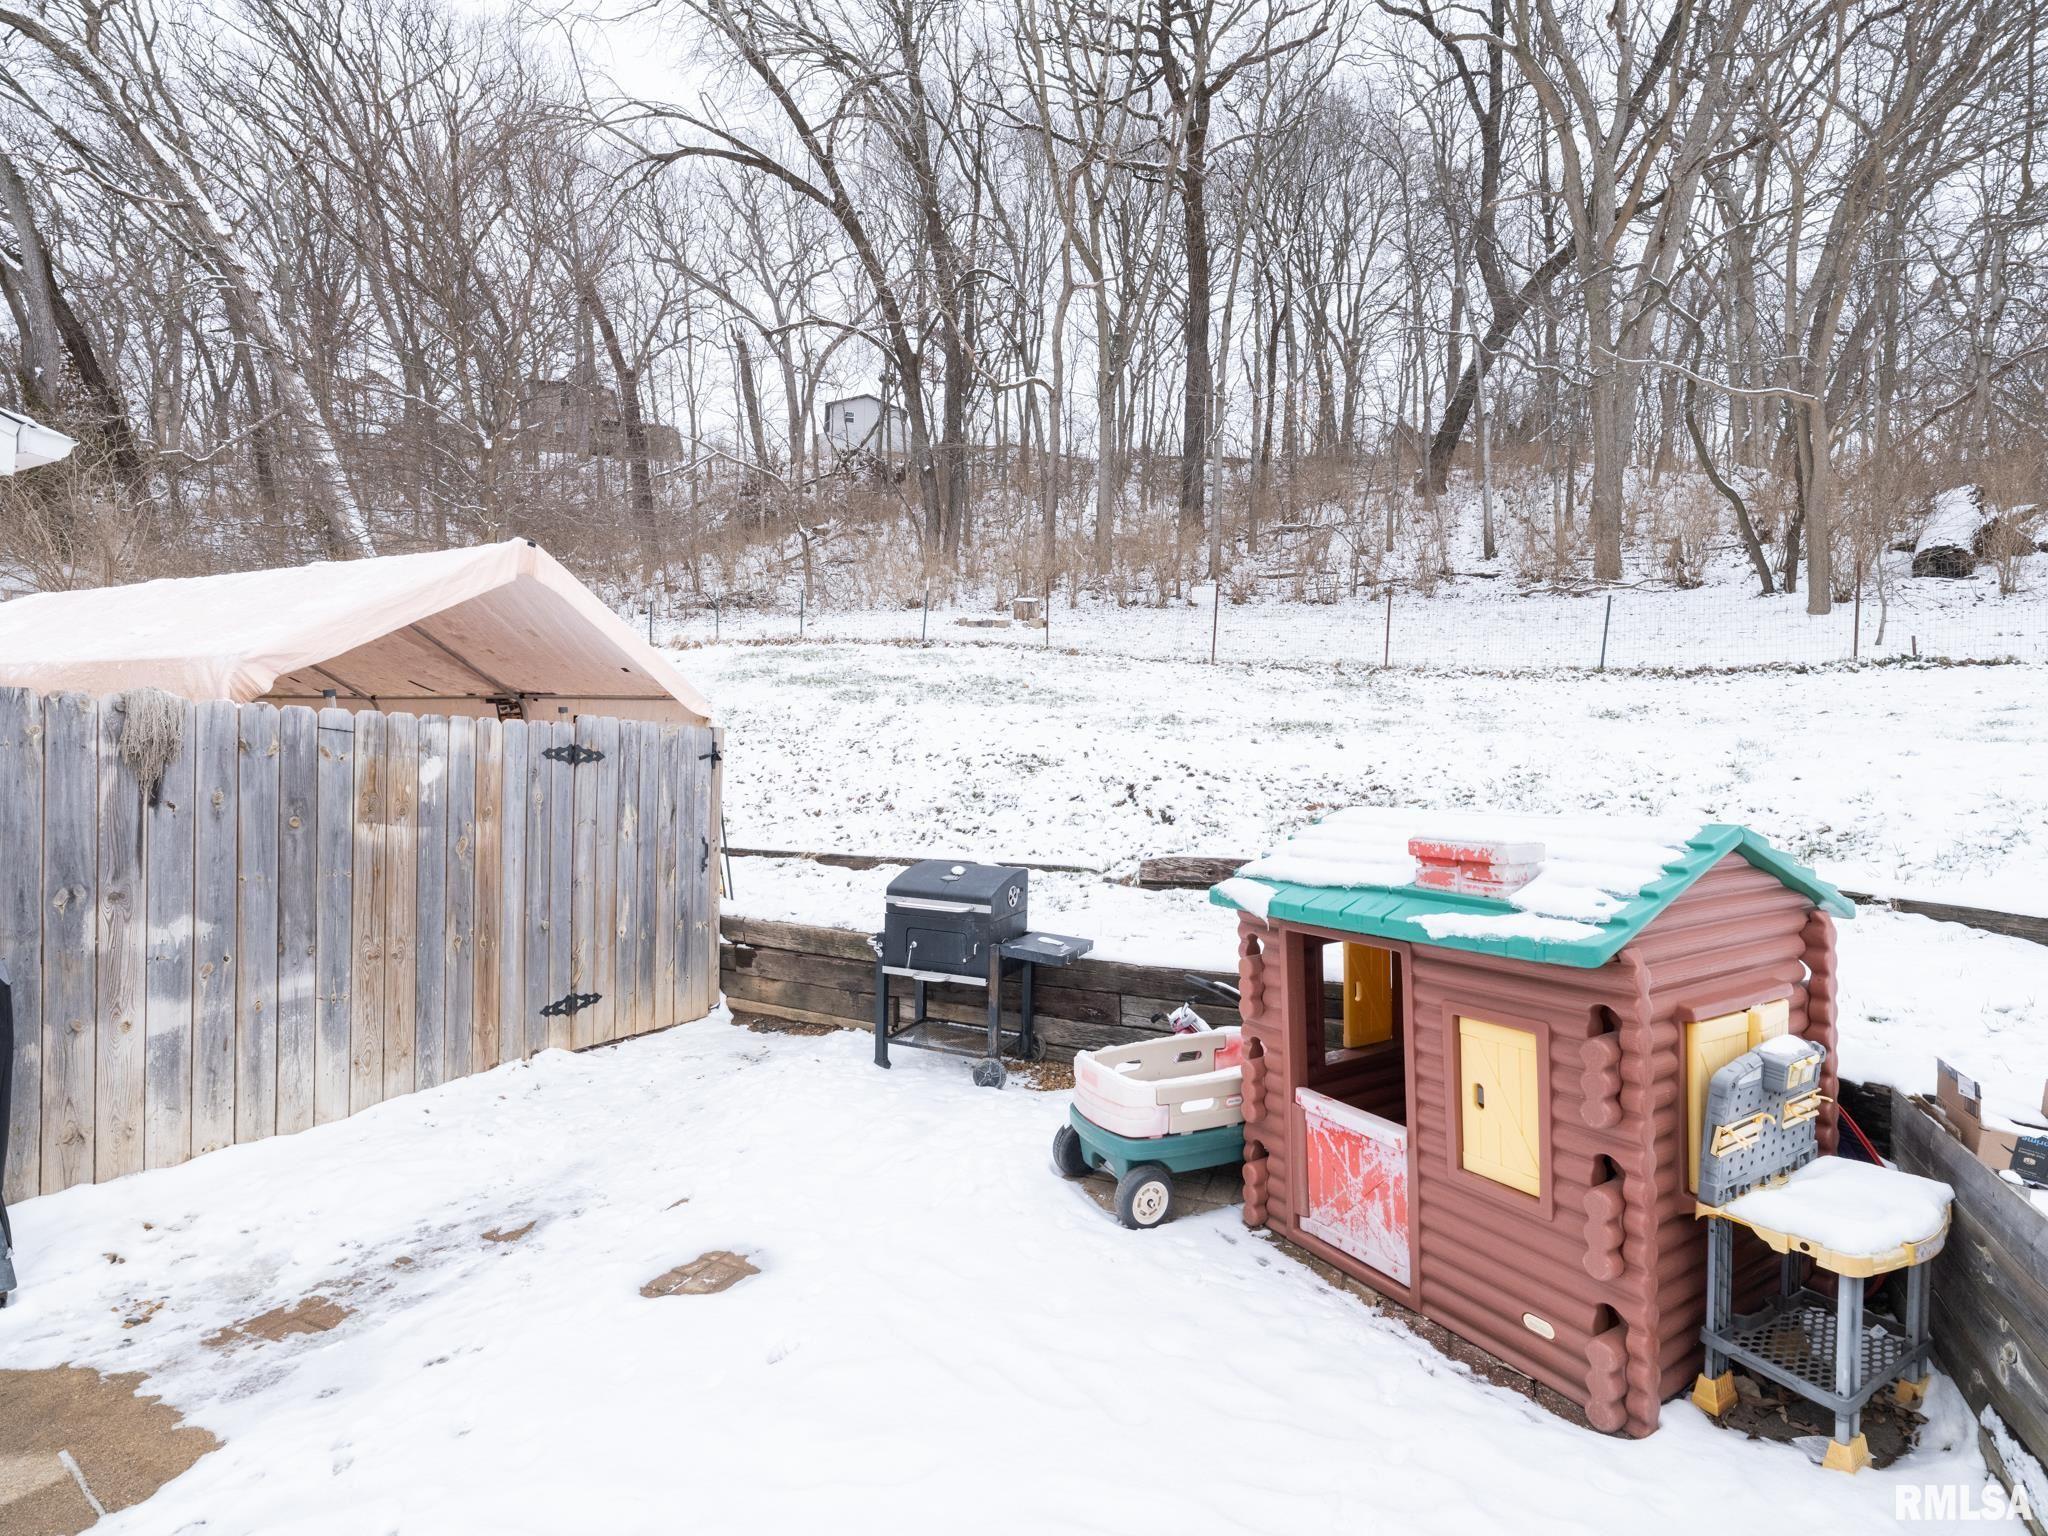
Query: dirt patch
{"points": [[508, 1234], [125, 1446], [704, 1275], [762, 1024], [309, 1314], [1763, 1412], [1046, 1076]]}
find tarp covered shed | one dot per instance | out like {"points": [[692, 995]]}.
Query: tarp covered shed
{"points": [[502, 629]]}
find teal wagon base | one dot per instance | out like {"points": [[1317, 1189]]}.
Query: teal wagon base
{"points": [[1192, 1150]]}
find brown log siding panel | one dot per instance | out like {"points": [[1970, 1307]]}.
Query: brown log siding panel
{"points": [[1734, 935], [1610, 1255]]}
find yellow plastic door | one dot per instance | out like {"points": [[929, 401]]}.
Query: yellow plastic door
{"points": [[1368, 995], [1501, 1134]]}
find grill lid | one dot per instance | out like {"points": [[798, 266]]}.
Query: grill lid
{"points": [[949, 881]]}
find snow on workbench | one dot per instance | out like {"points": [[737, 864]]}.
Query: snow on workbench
{"points": [[1850, 1207]]}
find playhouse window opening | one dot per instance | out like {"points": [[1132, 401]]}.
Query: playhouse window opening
{"points": [[1354, 1046]]}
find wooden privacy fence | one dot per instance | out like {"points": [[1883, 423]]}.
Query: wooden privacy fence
{"points": [[314, 912]]}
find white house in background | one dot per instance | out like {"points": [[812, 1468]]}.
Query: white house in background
{"points": [[857, 424]]}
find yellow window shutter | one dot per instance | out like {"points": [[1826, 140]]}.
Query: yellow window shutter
{"points": [[1710, 1044], [1499, 1110], [1767, 1021], [1368, 995]]}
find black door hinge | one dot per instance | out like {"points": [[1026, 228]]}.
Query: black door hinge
{"points": [[575, 1002], [575, 754]]}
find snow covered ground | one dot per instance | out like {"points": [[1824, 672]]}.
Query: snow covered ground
{"points": [[1931, 781], [942, 1335]]}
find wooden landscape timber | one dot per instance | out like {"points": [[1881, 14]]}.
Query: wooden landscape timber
{"points": [[1990, 1296], [817, 975], [311, 912]]}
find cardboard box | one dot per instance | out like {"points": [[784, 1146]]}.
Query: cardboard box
{"points": [[1962, 1106]]}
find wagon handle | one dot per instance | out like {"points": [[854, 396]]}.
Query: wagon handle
{"points": [[1215, 989]]}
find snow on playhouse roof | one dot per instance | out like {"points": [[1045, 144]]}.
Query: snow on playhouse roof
{"points": [[447, 630], [1597, 881]]}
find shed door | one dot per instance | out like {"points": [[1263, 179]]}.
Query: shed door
{"points": [[1357, 1165], [1501, 1136]]}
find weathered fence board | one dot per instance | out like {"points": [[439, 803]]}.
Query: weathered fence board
{"points": [[459, 969], [512, 884], [604, 918], [334, 935], [170, 962], [121, 938], [311, 912], [561, 879], [366, 970], [430, 911], [1989, 1305], [215, 807], [533, 1025], [401, 900], [655, 854], [256, 927], [70, 1001], [21, 930], [298, 922]]}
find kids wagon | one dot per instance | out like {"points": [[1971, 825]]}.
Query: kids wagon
{"points": [[1500, 1126], [1149, 1111]]}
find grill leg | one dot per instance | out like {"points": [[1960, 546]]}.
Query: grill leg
{"points": [[918, 1012], [882, 1013], [995, 1004], [1030, 1045]]}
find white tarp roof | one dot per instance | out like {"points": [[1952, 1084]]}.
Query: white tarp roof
{"points": [[441, 632], [27, 444]]}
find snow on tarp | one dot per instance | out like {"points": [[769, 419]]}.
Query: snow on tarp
{"points": [[1592, 866], [1850, 1207], [401, 631]]}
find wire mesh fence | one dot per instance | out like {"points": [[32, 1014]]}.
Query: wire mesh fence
{"points": [[1626, 630]]}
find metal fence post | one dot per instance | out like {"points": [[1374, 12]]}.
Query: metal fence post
{"points": [[1387, 645], [1606, 622]]}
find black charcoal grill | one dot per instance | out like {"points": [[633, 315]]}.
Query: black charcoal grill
{"points": [[963, 924]]}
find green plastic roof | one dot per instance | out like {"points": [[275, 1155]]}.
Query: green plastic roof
{"points": [[1396, 912]]}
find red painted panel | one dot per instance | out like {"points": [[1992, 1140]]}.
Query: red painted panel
{"points": [[1357, 1166]]}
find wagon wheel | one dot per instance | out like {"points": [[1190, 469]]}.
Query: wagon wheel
{"points": [[989, 1073], [1144, 1196], [1069, 1157]]}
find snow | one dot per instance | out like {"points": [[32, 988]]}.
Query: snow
{"points": [[1589, 866], [1929, 781], [1249, 895], [1783, 1048], [941, 1332], [1850, 1207], [1952, 522]]}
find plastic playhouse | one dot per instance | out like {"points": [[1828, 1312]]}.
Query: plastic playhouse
{"points": [[1478, 1051]]}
